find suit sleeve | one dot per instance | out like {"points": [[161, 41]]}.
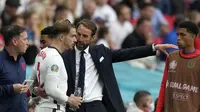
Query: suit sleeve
{"points": [[132, 53], [161, 98], [52, 80]]}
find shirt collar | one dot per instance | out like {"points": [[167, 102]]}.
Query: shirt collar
{"points": [[55, 49], [189, 55], [78, 51], [11, 57]]}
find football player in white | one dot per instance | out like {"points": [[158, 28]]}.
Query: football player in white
{"points": [[51, 70]]}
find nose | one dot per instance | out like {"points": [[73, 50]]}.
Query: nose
{"points": [[27, 43], [75, 40], [178, 37], [41, 46]]}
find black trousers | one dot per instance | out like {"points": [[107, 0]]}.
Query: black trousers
{"points": [[95, 106]]}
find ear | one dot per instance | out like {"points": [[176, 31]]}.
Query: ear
{"points": [[14, 41], [194, 36], [93, 37], [92, 40], [62, 37]]}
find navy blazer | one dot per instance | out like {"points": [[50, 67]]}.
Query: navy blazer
{"points": [[111, 94]]}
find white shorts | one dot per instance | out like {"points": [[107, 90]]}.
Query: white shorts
{"points": [[46, 109], [42, 108]]}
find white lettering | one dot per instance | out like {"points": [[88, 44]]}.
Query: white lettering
{"points": [[194, 89], [167, 84], [186, 87], [180, 96]]}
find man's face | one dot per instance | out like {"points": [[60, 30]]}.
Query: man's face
{"points": [[45, 41], [91, 6], [21, 43], [146, 103], [184, 38], [11, 10], [145, 28], [197, 19], [149, 103], [147, 12], [70, 39], [20, 22], [61, 15], [126, 13], [84, 37], [35, 19], [101, 2]]}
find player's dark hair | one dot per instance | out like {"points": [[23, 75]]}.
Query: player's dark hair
{"points": [[190, 26]]}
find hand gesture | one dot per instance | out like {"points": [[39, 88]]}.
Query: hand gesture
{"points": [[164, 47], [20, 88], [40, 91], [74, 101]]}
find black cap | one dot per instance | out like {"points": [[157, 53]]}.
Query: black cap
{"points": [[13, 3]]}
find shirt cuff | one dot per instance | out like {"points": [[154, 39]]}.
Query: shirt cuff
{"points": [[153, 47], [11, 89]]}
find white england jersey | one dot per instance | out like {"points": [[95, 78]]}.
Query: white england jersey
{"points": [[52, 73]]}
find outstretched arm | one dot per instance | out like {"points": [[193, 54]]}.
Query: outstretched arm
{"points": [[132, 53], [139, 52]]}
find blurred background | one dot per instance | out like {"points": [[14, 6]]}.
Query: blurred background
{"points": [[121, 24]]}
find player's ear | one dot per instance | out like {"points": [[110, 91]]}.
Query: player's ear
{"points": [[61, 37]]}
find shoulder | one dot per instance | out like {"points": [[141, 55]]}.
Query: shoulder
{"points": [[2, 56], [108, 8], [48, 54], [131, 36], [97, 47], [128, 25], [174, 53], [67, 52]]}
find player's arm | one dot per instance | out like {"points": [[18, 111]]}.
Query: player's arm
{"points": [[161, 98], [52, 79], [33, 77]]}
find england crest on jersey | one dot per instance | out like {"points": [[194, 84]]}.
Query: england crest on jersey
{"points": [[172, 66]]}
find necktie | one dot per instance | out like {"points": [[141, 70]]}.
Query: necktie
{"points": [[81, 75]]}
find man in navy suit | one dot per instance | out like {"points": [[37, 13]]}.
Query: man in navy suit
{"points": [[95, 80]]}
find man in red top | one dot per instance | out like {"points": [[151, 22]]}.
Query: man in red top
{"points": [[180, 84]]}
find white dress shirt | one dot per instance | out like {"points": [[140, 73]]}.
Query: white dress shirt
{"points": [[93, 85]]}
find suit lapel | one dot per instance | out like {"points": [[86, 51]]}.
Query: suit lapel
{"points": [[94, 55], [72, 62]]}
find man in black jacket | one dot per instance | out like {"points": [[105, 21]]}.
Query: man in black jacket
{"points": [[95, 80]]}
